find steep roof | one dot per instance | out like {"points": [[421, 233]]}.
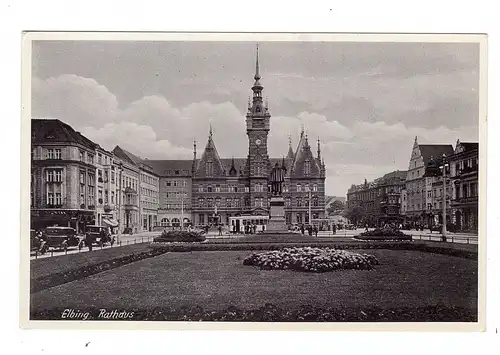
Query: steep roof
{"points": [[124, 155], [210, 154], [169, 167], [45, 130], [468, 146], [434, 150], [302, 154]]}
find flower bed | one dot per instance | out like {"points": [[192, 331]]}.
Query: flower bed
{"points": [[310, 259], [180, 236], [272, 313]]}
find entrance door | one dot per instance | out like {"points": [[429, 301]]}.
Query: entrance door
{"points": [[237, 226]]}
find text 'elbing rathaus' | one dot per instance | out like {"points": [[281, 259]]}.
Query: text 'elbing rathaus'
{"points": [[160, 193]]}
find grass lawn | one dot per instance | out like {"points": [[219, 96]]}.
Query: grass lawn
{"points": [[62, 263], [216, 280]]}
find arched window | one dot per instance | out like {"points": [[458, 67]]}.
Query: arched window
{"points": [[299, 187], [176, 222], [165, 222], [315, 187], [307, 167]]}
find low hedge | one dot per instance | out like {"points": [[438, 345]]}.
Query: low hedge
{"points": [[412, 246], [180, 236], [382, 237], [272, 313], [384, 232]]}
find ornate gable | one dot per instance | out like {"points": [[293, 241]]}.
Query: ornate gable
{"points": [[210, 164], [305, 164]]}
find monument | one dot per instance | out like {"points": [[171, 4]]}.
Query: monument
{"points": [[277, 203]]}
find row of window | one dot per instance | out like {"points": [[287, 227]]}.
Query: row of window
{"points": [[175, 183], [258, 187], [148, 192], [149, 179], [175, 194]]}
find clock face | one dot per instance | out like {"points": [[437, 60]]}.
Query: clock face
{"points": [[258, 141]]}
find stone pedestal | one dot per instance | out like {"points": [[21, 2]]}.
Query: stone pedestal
{"points": [[277, 215]]}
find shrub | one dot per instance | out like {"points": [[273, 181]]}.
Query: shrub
{"points": [[384, 237], [387, 233], [179, 236], [311, 260]]}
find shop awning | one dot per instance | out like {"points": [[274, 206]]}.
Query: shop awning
{"points": [[109, 222]]}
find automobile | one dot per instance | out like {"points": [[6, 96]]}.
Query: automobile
{"points": [[59, 238], [98, 235], [350, 227]]}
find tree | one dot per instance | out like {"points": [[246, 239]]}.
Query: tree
{"points": [[355, 215], [336, 207]]}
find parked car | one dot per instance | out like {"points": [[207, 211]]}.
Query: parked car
{"points": [[35, 240], [350, 227], [98, 235], [58, 238]]}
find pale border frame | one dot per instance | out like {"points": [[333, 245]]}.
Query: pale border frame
{"points": [[27, 39]]}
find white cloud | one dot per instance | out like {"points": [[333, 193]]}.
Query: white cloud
{"points": [[154, 128]]}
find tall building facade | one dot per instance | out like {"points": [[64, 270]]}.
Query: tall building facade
{"points": [[422, 181], [222, 188], [464, 166], [379, 201], [63, 176], [84, 182]]}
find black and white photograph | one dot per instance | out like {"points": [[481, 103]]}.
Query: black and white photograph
{"points": [[254, 178]]}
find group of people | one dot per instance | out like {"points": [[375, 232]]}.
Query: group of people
{"points": [[310, 230]]}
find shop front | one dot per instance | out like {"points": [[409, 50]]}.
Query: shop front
{"points": [[77, 219]]}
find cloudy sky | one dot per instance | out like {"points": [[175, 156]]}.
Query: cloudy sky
{"points": [[365, 101]]}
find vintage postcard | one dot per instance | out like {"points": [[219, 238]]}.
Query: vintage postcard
{"points": [[253, 181]]}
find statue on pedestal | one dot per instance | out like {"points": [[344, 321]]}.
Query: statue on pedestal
{"points": [[277, 179]]}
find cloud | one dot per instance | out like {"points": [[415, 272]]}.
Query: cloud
{"points": [[138, 139], [156, 128], [78, 100]]}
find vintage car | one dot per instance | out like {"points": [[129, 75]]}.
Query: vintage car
{"points": [[58, 238], [98, 235]]}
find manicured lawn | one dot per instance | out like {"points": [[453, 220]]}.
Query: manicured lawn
{"points": [[62, 263], [216, 280]]}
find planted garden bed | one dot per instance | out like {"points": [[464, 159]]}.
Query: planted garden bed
{"points": [[311, 260]]}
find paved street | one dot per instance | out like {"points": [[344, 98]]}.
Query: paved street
{"points": [[146, 237]]}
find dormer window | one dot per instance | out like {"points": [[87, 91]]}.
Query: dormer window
{"points": [[307, 167], [210, 168], [257, 109]]}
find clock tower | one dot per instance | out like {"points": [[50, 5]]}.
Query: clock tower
{"points": [[258, 125]]}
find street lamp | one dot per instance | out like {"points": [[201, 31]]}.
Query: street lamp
{"points": [[120, 195], [182, 209], [443, 167]]}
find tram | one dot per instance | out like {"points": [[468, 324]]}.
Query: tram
{"points": [[239, 224]]}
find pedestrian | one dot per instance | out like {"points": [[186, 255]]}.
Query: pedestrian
{"points": [[366, 227], [309, 230], [302, 229], [88, 241], [315, 231], [220, 230], [334, 229]]}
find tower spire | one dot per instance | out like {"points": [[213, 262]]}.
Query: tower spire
{"points": [[319, 150], [194, 149], [257, 74], [289, 140], [302, 130], [210, 131]]}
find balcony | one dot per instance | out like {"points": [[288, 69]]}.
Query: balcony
{"points": [[464, 200], [53, 205], [468, 170]]}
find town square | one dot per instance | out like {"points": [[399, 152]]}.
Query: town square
{"points": [[255, 181]]}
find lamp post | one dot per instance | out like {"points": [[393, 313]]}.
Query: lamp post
{"points": [[120, 168], [182, 209], [443, 167]]}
